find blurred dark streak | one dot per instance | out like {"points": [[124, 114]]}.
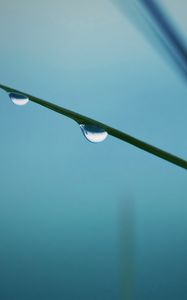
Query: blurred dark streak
{"points": [[167, 29], [168, 49], [149, 18]]}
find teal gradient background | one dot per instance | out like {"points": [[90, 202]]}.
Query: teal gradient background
{"points": [[61, 198]]}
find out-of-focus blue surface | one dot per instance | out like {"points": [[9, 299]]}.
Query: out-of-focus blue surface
{"points": [[60, 195]]}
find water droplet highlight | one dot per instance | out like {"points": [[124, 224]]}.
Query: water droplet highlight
{"points": [[93, 133], [19, 99]]}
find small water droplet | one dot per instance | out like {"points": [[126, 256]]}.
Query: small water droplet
{"points": [[93, 133], [18, 99]]}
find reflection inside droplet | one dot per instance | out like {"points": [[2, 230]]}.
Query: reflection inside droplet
{"points": [[93, 133], [18, 99]]}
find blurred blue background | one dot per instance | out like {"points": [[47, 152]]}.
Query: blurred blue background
{"points": [[74, 214]]}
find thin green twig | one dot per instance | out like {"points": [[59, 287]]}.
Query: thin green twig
{"points": [[81, 119]]}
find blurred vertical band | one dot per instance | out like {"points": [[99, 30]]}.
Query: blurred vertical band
{"points": [[127, 248]]}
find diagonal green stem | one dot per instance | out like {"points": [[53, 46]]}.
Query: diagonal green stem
{"points": [[81, 119]]}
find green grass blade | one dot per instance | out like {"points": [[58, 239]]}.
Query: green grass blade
{"points": [[81, 119]]}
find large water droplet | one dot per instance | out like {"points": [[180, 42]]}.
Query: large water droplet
{"points": [[19, 99], [93, 133]]}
